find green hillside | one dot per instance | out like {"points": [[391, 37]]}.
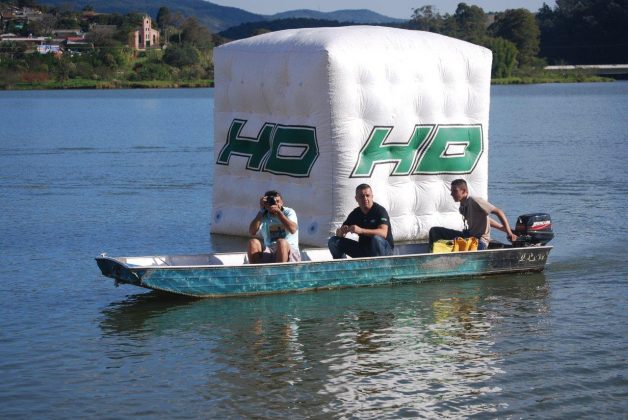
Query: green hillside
{"points": [[215, 17]]}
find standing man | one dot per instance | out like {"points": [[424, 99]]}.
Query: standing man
{"points": [[279, 228], [475, 212], [370, 222]]}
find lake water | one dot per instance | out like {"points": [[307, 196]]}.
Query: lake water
{"points": [[129, 172]]}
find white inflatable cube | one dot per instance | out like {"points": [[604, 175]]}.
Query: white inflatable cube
{"points": [[313, 113]]}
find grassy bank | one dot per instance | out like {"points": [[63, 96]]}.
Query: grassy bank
{"points": [[528, 80], [107, 84], [538, 75], [537, 78]]}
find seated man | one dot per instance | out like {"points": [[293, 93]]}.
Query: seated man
{"points": [[475, 212], [370, 222], [279, 229]]}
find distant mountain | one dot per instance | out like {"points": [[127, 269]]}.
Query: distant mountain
{"points": [[356, 16], [217, 18], [249, 29]]}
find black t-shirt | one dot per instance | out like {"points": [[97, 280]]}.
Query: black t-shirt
{"points": [[371, 220]]}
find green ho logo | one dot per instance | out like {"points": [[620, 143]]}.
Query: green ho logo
{"points": [[278, 149], [293, 150], [431, 150]]}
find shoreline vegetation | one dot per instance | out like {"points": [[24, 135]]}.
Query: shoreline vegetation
{"points": [[565, 77], [56, 47], [108, 84], [551, 78]]}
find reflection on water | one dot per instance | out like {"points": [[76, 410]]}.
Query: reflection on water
{"points": [[128, 317], [427, 350]]}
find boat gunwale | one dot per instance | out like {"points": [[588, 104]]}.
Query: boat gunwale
{"points": [[248, 266]]}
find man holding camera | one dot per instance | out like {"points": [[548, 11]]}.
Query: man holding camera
{"points": [[279, 229]]}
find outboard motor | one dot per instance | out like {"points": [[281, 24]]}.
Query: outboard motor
{"points": [[533, 229]]}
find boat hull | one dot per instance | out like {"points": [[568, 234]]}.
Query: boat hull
{"points": [[253, 279]]}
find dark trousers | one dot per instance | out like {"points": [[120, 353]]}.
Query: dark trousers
{"points": [[437, 233], [376, 247]]}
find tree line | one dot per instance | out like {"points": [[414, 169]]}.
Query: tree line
{"points": [[522, 42], [573, 32], [513, 36], [584, 32]]}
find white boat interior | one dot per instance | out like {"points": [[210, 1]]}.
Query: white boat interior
{"points": [[239, 258]]}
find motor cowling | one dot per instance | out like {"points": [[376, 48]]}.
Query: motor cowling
{"points": [[533, 229]]}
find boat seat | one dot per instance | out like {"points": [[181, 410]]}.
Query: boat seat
{"points": [[321, 254]]}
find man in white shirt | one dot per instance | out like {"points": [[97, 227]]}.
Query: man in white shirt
{"points": [[279, 229]]}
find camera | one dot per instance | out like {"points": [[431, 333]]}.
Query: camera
{"points": [[270, 200]]}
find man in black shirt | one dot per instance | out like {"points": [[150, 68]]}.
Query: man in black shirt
{"points": [[370, 222]]}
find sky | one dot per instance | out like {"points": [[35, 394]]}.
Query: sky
{"points": [[393, 8]]}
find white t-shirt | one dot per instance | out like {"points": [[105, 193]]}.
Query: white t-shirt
{"points": [[272, 229]]}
